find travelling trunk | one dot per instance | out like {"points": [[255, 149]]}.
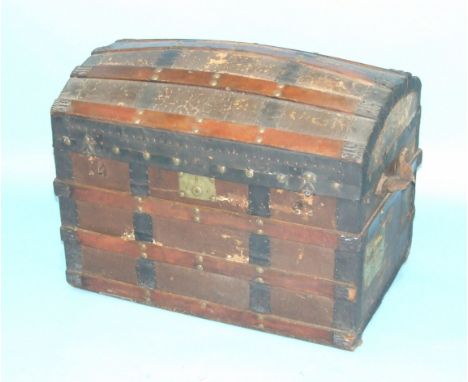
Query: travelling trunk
{"points": [[254, 185]]}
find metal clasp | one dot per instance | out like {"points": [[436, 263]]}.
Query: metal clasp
{"points": [[196, 187]]}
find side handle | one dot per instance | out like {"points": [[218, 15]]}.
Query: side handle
{"points": [[403, 174]]}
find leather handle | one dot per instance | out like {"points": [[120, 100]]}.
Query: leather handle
{"points": [[403, 176]]}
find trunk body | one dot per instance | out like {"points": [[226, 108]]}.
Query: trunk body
{"points": [[254, 185]]}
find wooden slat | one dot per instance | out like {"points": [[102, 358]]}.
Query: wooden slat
{"points": [[353, 70], [209, 128], [230, 196], [275, 277], [317, 98], [100, 172], [242, 109], [213, 311], [211, 216], [243, 64]]}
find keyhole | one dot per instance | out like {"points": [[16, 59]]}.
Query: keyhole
{"points": [[297, 207], [101, 169]]}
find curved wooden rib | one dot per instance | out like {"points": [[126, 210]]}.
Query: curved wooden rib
{"points": [[318, 98], [209, 128]]}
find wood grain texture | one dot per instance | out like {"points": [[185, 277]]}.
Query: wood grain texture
{"points": [[294, 281], [100, 172], [105, 219], [319, 98], [301, 307], [349, 69], [203, 285], [213, 311], [109, 265], [160, 208], [230, 196], [296, 207], [210, 128]]}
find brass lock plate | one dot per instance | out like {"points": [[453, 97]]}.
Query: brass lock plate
{"points": [[196, 186]]}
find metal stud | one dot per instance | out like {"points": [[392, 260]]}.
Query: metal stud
{"points": [[260, 231], [66, 141], [140, 209], [249, 173], [182, 194], [87, 139], [155, 77], [259, 139], [213, 82], [146, 155], [277, 93], [200, 258], [259, 270], [144, 255], [281, 178], [199, 120], [196, 130], [221, 169], [196, 215], [259, 222], [337, 186], [176, 161], [199, 267], [216, 75], [259, 280], [310, 176], [115, 150]]}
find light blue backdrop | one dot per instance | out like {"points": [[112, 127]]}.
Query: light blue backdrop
{"points": [[53, 332]]}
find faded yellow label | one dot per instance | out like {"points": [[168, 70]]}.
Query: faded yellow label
{"points": [[374, 257]]}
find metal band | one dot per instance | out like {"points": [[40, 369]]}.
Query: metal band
{"points": [[68, 212], [139, 179], [259, 297], [146, 274], [259, 200], [143, 227], [72, 256], [344, 314], [167, 58], [289, 73], [63, 165], [259, 249], [267, 163]]}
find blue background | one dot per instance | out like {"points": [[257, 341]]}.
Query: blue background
{"points": [[53, 332]]}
